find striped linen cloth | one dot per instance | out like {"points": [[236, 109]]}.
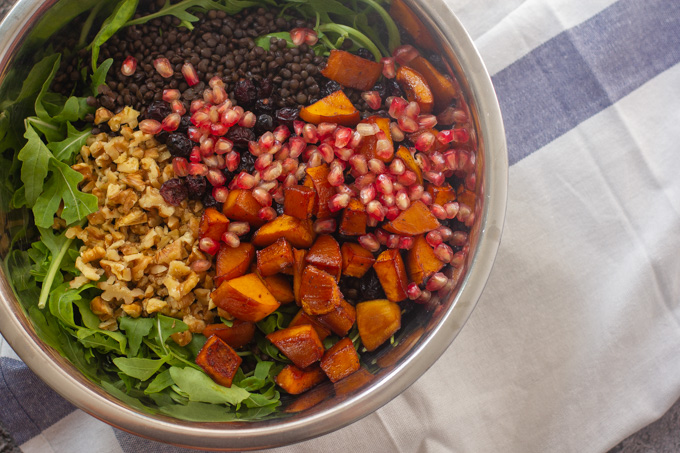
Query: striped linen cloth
{"points": [[575, 342]]}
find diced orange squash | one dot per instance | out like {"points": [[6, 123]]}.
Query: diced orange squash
{"points": [[303, 318], [325, 255], [340, 320], [354, 219], [356, 260], [416, 219], [368, 144], [319, 292], [405, 155], [246, 298], [443, 89], [243, 207], [239, 334], [392, 274], [308, 400], [318, 177], [466, 196], [218, 360], [300, 344], [298, 268], [280, 287], [441, 194], [298, 201], [421, 261], [377, 321], [352, 71], [213, 224], [412, 24], [275, 258], [353, 382], [340, 360], [233, 262], [416, 88], [334, 108], [295, 380], [296, 231]]}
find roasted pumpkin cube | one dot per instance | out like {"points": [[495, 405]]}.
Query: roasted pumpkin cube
{"points": [[317, 177], [218, 360], [416, 88], [466, 196], [325, 255], [368, 144], [296, 231], [319, 292], [280, 287], [443, 88], [295, 380], [412, 24], [353, 382], [300, 344], [298, 268], [213, 224], [239, 334], [356, 260], [405, 155], [377, 321], [340, 320], [421, 261], [298, 201], [334, 108], [233, 262], [303, 318], [275, 258], [246, 298], [352, 71], [354, 219], [392, 274], [340, 360], [441, 194], [416, 219], [243, 207]]}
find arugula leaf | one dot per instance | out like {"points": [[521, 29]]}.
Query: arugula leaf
{"points": [[198, 412], [160, 383], [139, 368], [263, 40], [65, 149], [58, 246], [61, 303], [123, 12], [181, 10], [35, 156], [104, 339], [33, 81], [124, 397], [99, 76], [166, 326], [199, 387], [135, 330]]}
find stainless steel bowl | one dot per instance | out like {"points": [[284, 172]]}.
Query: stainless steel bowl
{"points": [[420, 342]]}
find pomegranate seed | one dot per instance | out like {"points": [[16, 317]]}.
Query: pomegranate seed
{"points": [[231, 239], [219, 95], [278, 195], [171, 95], [464, 211], [443, 253], [384, 149], [311, 37], [438, 162], [309, 133], [262, 196], [163, 67], [408, 178], [129, 66], [445, 137], [233, 159], [415, 192], [342, 135], [297, 35], [220, 194], [389, 70], [245, 181], [397, 134], [436, 282], [335, 176], [268, 185], [434, 177], [451, 160], [372, 99], [171, 122], [344, 154], [281, 133], [297, 146], [412, 110], [338, 202], [367, 129], [471, 181], [326, 129], [377, 166], [396, 106], [247, 120], [437, 210], [392, 213], [458, 259], [345, 189], [196, 105], [460, 135], [208, 245], [151, 127], [406, 242], [445, 233], [301, 171], [427, 121], [402, 200], [211, 161], [207, 146], [200, 117], [407, 124], [381, 235], [388, 200], [369, 242], [263, 162], [266, 141], [239, 228], [327, 226], [425, 141], [200, 265], [451, 209], [216, 178], [195, 155], [413, 291], [177, 106], [223, 146], [356, 140], [272, 172], [180, 167], [267, 213], [404, 54], [198, 169], [424, 297], [392, 241], [297, 127], [359, 164], [376, 210], [397, 167], [363, 181], [367, 194], [326, 152], [229, 117], [290, 181], [426, 198], [254, 148], [189, 74], [384, 184], [216, 82]]}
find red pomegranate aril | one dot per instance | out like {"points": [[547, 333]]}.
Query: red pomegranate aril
{"points": [[268, 185], [364, 180], [239, 228], [369, 242], [397, 134], [189, 74], [372, 99], [384, 184], [445, 137], [338, 201], [170, 95], [443, 253], [272, 172], [278, 195], [211, 161], [424, 141], [180, 166], [200, 265], [397, 167], [220, 194], [262, 196], [129, 66], [208, 245], [219, 95], [207, 146], [396, 106], [309, 133], [412, 110], [427, 121], [263, 162], [245, 181], [233, 159], [426, 198], [404, 54], [267, 213], [460, 135], [301, 171], [376, 210], [381, 235], [345, 189], [451, 160], [342, 136], [367, 129], [344, 154], [219, 129], [407, 125], [326, 226], [438, 211], [247, 120], [408, 178], [392, 212], [231, 239], [451, 209], [198, 169], [471, 181], [359, 164], [289, 165], [388, 200], [424, 297], [223, 146], [163, 67], [266, 141], [402, 200], [377, 166], [311, 38], [389, 70], [384, 149], [438, 162], [406, 243], [177, 106], [196, 105], [290, 180], [171, 122], [229, 117], [326, 152], [149, 126], [445, 232], [281, 133], [367, 194], [434, 177], [297, 146], [297, 35], [216, 178], [195, 155], [297, 126], [356, 139], [215, 81], [413, 291], [200, 117], [464, 211], [415, 192], [458, 259], [436, 282], [326, 129], [392, 241], [434, 238], [336, 176], [254, 148]]}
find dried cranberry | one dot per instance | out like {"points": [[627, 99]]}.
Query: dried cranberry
{"points": [[278, 208], [365, 53], [184, 124], [174, 191], [265, 89], [158, 110], [245, 92], [179, 145], [229, 175], [162, 137], [240, 136], [264, 123], [247, 163], [393, 88], [196, 186], [287, 116], [381, 88], [209, 201], [370, 287], [330, 87], [264, 105]]}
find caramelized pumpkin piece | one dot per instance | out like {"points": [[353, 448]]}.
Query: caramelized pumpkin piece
{"points": [[340, 320], [300, 344], [317, 177], [295, 380], [443, 89], [441, 194], [213, 224], [412, 24], [325, 255], [352, 71], [298, 268], [298, 201], [334, 108], [246, 298], [416, 219], [233, 262], [368, 144], [296, 231], [319, 292], [239, 334], [354, 219], [356, 260], [243, 207], [275, 258], [303, 318], [416, 88], [218, 360], [340, 360], [392, 274], [377, 321], [421, 261], [280, 287], [405, 155], [466, 196]]}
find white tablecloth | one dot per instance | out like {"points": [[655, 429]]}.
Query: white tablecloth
{"points": [[575, 342]]}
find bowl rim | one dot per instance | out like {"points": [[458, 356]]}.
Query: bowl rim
{"points": [[66, 380]]}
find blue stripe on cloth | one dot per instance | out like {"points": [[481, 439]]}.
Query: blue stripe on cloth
{"points": [[584, 70], [27, 404]]}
